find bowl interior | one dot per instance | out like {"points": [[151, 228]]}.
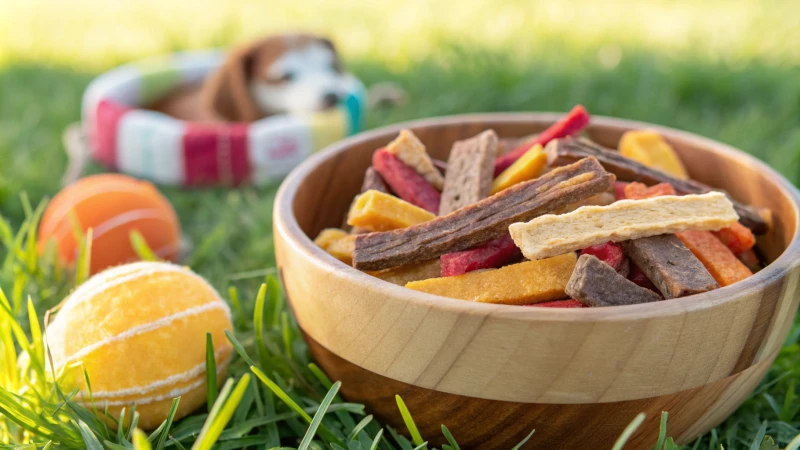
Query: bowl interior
{"points": [[333, 178]]}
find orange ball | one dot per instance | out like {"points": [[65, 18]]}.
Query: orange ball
{"points": [[113, 206]]}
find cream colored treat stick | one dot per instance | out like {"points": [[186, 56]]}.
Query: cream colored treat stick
{"points": [[408, 148], [552, 235]]}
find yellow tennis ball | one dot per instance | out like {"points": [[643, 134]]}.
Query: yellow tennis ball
{"points": [[139, 331]]}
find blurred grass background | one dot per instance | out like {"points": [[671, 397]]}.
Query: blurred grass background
{"points": [[726, 69]]}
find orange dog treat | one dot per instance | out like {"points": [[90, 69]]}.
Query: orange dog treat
{"points": [[720, 262], [376, 211], [517, 284], [113, 206], [737, 237], [650, 149], [411, 272], [408, 148], [640, 191], [343, 248], [528, 167]]}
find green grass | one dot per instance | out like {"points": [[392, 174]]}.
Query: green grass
{"points": [[726, 70]]}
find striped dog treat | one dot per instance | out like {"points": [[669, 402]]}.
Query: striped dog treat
{"points": [[552, 235]]}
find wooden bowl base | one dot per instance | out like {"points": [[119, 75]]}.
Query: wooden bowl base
{"points": [[497, 425]]}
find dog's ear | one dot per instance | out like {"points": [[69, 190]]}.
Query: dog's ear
{"points": [[329, 43], [226, 93]]}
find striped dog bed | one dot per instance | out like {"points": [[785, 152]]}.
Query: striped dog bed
{"points": [[152, 145]]}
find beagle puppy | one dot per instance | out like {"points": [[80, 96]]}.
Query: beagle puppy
{"points": [[288, 73]]}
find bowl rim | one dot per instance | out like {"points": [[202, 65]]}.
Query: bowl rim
{"points": [[286, 225]]}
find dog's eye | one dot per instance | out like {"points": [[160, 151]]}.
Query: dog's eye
{"points": [[287, 77]]}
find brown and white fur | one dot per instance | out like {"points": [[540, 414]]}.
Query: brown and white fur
{"points": [[288, 73]]}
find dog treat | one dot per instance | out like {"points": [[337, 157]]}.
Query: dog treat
{"points": [[601, 199], [481, 222], [619, 189], [595, 283], [750, 260], [328, 236], [720, 262], [490, 255], [373, 181], [376, 211], [469, 179], [412, 272], [572, 123], [405, 181], [517, 284], [408, 148], [610, 253], [551, 235], [640, 191], [737, 237], [674, 270], [569, 150], [338, 243], [527, 167], [640, 278], [650, 149], [571, 303]]}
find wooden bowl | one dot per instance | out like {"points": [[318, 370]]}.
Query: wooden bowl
{"points": [[492, 373]]}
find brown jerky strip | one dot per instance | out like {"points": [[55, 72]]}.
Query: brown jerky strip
{"points": [[595, 283], [568, 150], [483, 221], [469, 179], [672, 267]]}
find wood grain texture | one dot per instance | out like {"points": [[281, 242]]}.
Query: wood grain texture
{"points": [[583, 357], [490, 424]]}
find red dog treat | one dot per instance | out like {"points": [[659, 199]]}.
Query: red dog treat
{"points": [[619, 190], [490, 255], [571, 303], [405, 181], [737, 237], [610, 253], [570, 124]]}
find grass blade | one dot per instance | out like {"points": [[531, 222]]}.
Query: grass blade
{"points": [[211, 372], [662, 431], [450, 439], [524, 441], [258, 324], [162, 438], [140, 441], [409, 421], [364, 422], [318, 416], [628, 431], [221, 414], [794, 444], [377, 440], [88, 437], [141, 248]]}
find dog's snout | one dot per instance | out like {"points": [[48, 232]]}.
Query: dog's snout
{"points": [[330, 100]]}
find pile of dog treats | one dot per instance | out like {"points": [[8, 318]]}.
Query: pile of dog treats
{"points": [[558, 221]]}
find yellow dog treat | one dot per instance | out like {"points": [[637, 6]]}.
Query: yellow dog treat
{"points": [[139, 331], [650, 149], [551, 235], [376, 211], [328, 236], [410, 272], [408, 148], [518, 284], [528, 167]]}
